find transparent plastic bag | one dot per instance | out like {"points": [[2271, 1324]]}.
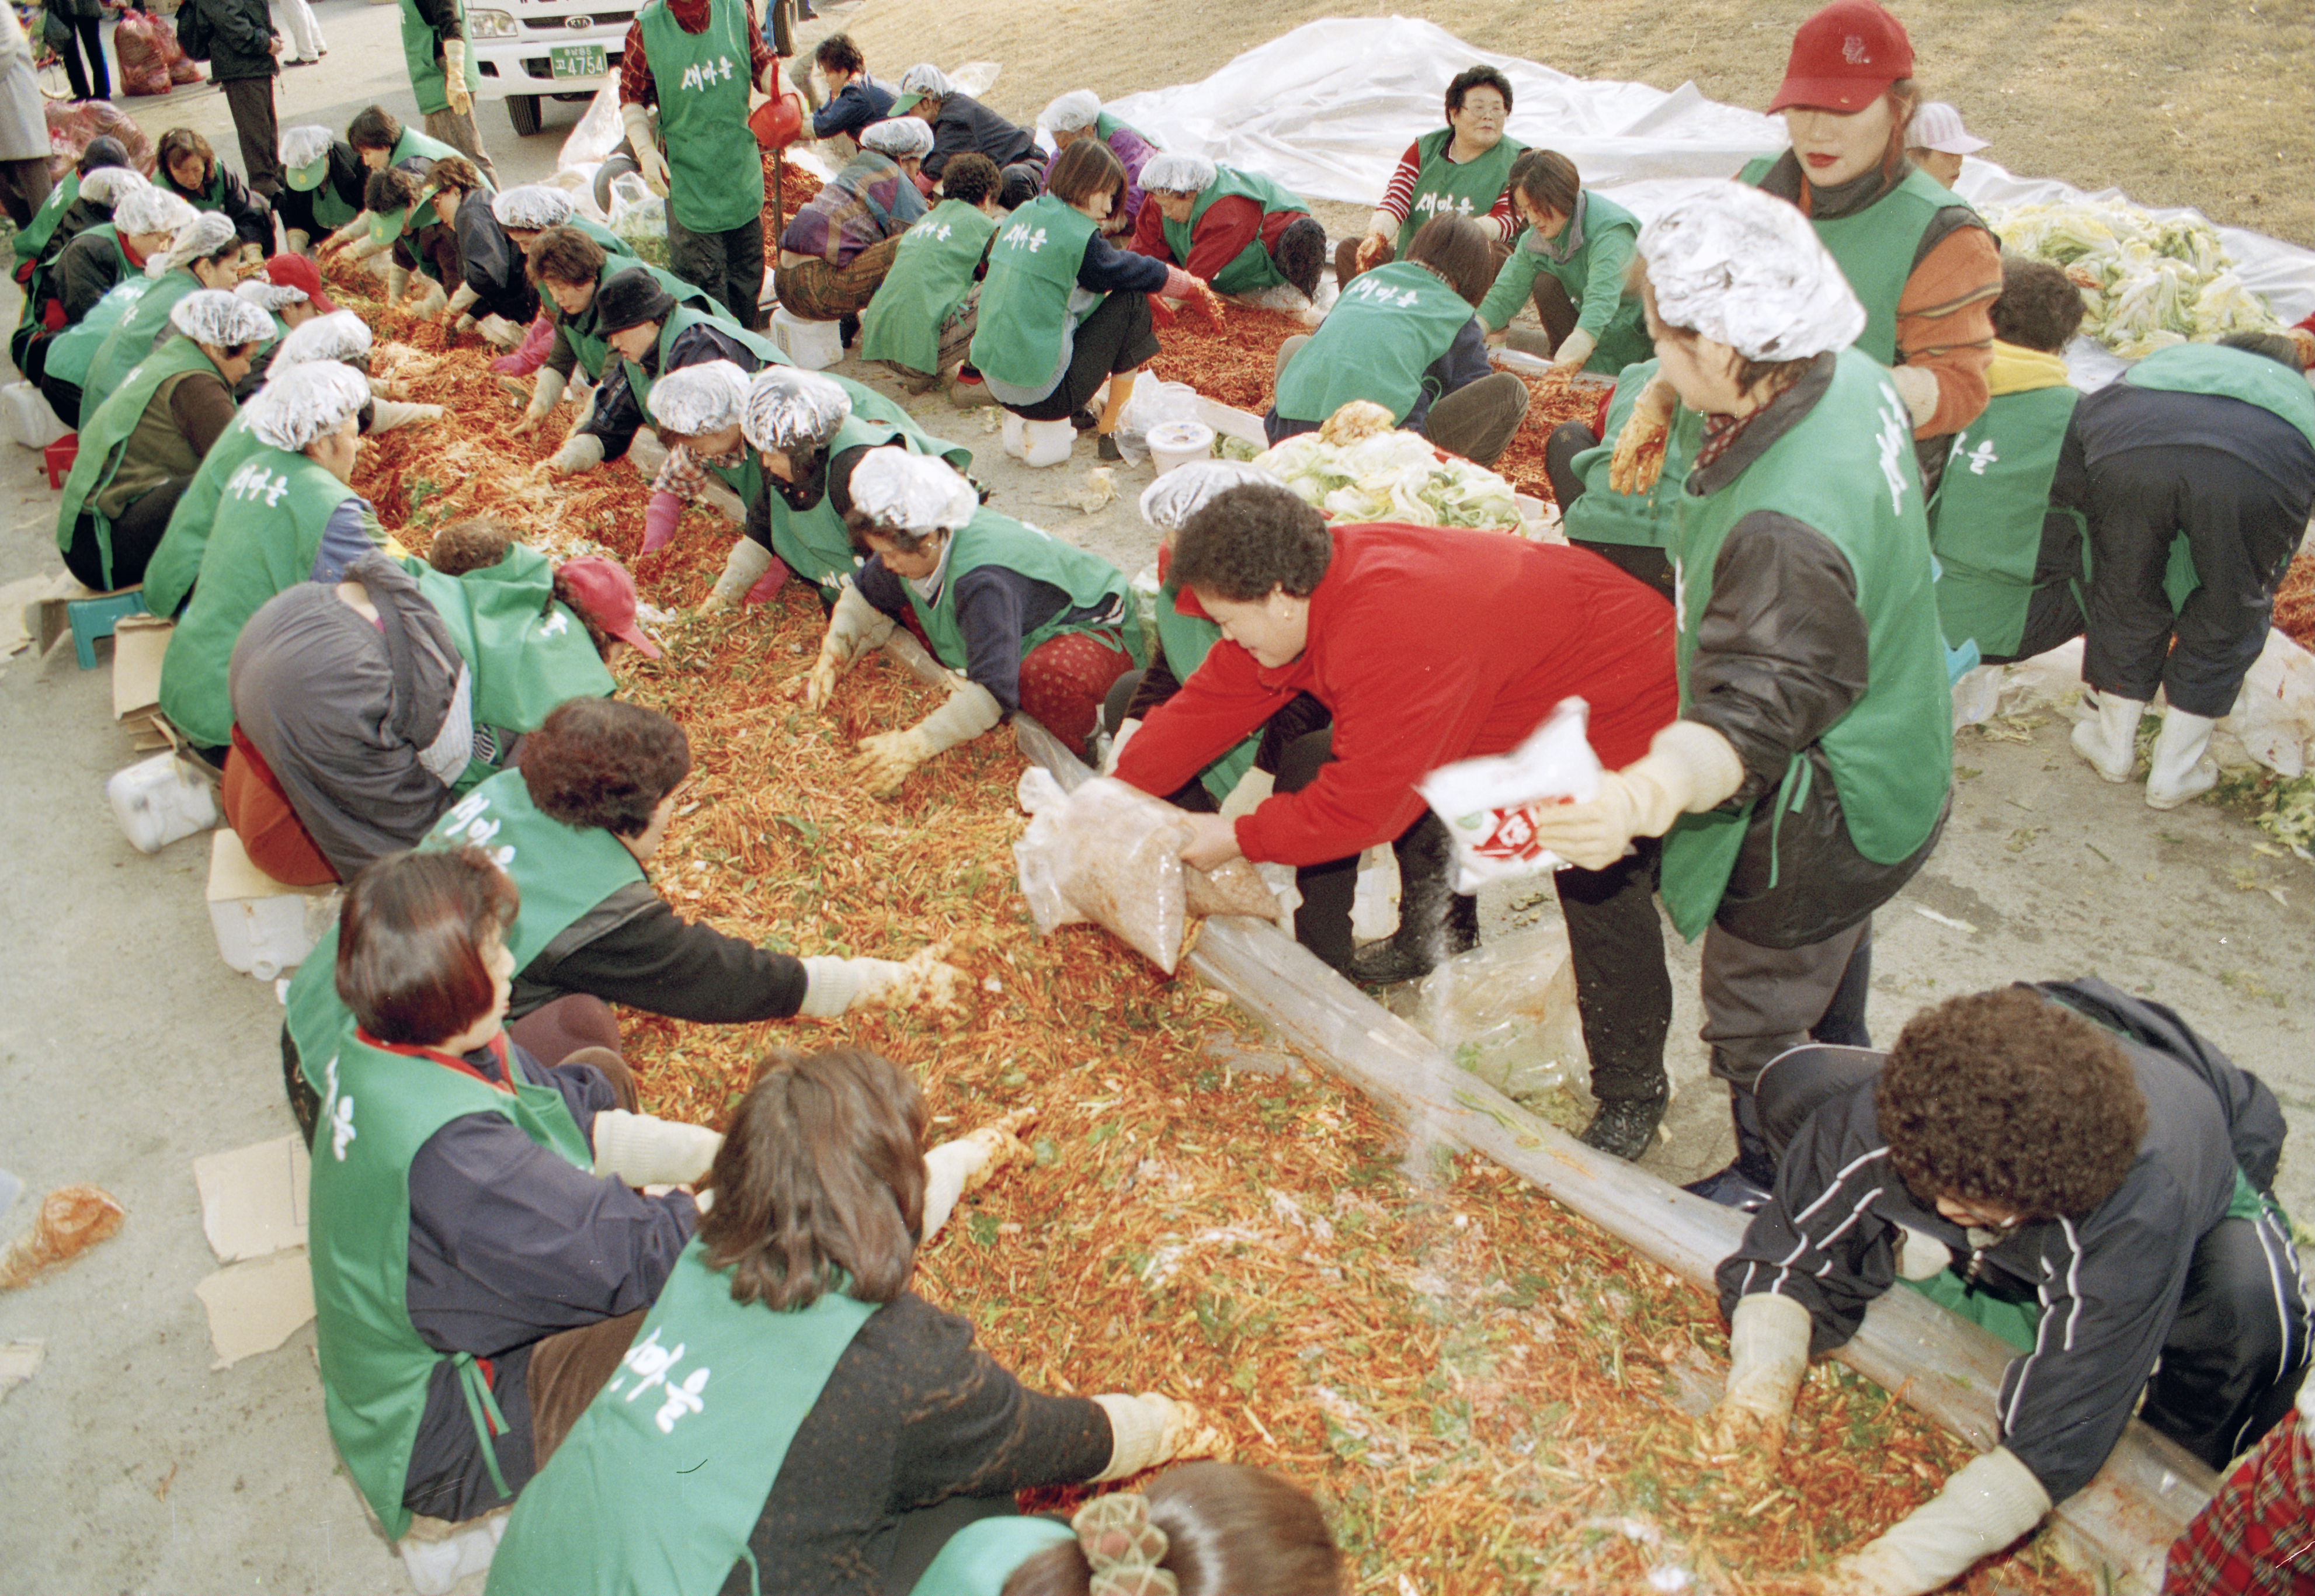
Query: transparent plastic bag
{"points": [[1153, 404], [1506, 1012], [1489, 803], [2274, 716]]}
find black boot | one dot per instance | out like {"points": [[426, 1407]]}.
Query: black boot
{"points": [[1435, 922], [1744, 1184], [1626, 1127]]}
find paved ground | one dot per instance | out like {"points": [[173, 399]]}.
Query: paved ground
{"points": [[127, 1049]]}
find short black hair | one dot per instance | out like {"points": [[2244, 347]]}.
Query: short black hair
{"points": [[1251, 539], [1478, 77], [389, 190], [2275, 346], [2040, 308], [374, 127], [972, 177], [837, 53]]}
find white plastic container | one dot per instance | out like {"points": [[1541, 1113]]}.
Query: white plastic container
{"points": [[28, 418], [263, 928], [1177, 443], [1047, 443], [813, 345], [157, 802]]}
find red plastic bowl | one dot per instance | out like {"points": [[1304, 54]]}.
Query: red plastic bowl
{"points": [[776, 122]]}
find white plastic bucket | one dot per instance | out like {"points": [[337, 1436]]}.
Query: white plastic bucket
{"points": [[157, 803], [263, 929], [813, 345], [27, 418], [1177, 443]]}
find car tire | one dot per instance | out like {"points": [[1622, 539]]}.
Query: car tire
{"points": [[522, 111]]}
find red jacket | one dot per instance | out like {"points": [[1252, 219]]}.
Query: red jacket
{"points": [[1429, 645]]}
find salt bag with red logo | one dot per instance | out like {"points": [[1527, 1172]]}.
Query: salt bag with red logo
{"points": [[1489, 804]]}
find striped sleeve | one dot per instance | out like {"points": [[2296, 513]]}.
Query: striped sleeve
{"points": [[1399, 198], [1821, 1240], [1945, 324]]}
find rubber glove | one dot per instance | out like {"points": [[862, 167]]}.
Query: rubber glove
{"points": [[747, 562], [1574, 350], [722, 500], [1375, 248], [432, 302], [460, 303], [969, 1163], [582, 451], [649, 164], [1147, 1430], [886, 758], [1126, 728], [1639, 459], [397, 282], [768, 584], [1989, 1503], [1916, 385], [660, 517], [454, 77], [544, 396], [252, 257], [386, 415], [799, 75], [645, 1150], [531, 352], [833, 986], [497, 331], [1688, 768], [854, 628], [299, 240], [1768, 1355]]}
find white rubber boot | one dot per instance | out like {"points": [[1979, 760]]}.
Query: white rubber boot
{"points": [[2183, 767], [1047, 443], [2110, 742], [1013, 426]]}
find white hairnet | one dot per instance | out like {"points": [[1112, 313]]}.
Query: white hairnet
{"points": [[898, 136], [208, 232], [924, 78], [1169, 502], [1748, 270], [269, 296], [305, 403], [1176, 174], [789, 410], [341, 335], [212, 315], [1075, 110], [913, 493], [694, 400], [304, 145], [149, 209], [532, 207], [110, 185]]}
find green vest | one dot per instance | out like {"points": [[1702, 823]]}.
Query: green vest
{"points": [[1381, 336], [1185, 641], [415, 146], [682, 320], [1985, 518], [1251, 269], [1444, 189], [71, 350], [663, 1478], [815, 544], [1610, 235], [560, 872], [978, 1558], [1025, 297], [177, 558], [715, 172], [424, 53], [1847, 470], [331, 210], [526, 653], [141, 326], [992, 539], [33, 236], [262, 541], [1876, 247], [104, 436], [931, 275], [1649, 519], [2230, 374], [378, 1108], [586, 339]]}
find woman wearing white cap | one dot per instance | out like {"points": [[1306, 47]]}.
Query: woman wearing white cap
{"points": [[1034, 625], [1809, 776], [836, 249], [1938, 141], [204, 253], [1237, 230], [960, 123], [1078, 114], [95, 279], [322, 181]]}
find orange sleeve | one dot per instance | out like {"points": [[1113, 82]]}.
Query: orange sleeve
{"points": [[1945, 324]]}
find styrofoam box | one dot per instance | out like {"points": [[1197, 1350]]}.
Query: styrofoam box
{"points": [[27, 418], [263, 928]]}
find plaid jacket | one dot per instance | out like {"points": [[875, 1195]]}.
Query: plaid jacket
{"points": [[2257, 1535]]}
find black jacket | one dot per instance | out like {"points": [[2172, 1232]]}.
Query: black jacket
{"points": [[86, 272], [618, 413], [493, 267], [964, 125], [252, 217], [241, 38], [632, 949]]}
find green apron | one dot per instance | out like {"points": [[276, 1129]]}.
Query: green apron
{"points": [[415, 146], [978, 1558], [1847, 470], [104, 434], [715, 172], [72, 351], [815, 544], [526, 654], [931, 274], [1091, 582], [1444, 189], [1646, 520], [562, 873], [263, 540], [612, 243], [1025, 298], [33, 236], [1251, 269], [1986, 517], [2230, 374], [1382, 335], [662, 1480], [177, 558], [1876, 248], [378, 1108], [331, 210], [1610, 236], [423, 51], [141, 327], [583, 334], [1184, 641], [682, 320]]}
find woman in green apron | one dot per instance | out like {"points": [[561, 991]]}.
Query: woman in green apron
{"points": [[90, 286], [829, 1427], [189, 168], [379, 138], [322, 181], [491, 289], [1572, 263], [920, 327], [1078, 114], [203, 254], [1463, 169], [569, 270], [1237, 230], [1808, 776], [700, 412]]}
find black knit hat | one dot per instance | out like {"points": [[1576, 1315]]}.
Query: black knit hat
{"points": [[102, 151], [629, 299]]}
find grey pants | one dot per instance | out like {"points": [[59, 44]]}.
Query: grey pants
{"points": [[1759, 1001], [729, 265], [460, 134], [251, 101]]}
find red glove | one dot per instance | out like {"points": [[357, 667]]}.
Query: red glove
{"points": [[659, 520], [530, 354], [769, 582]]}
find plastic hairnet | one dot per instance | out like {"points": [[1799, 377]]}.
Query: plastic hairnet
{"points": [[269, 296], [304, 145], [1176, 174], [212, 315], [1748, 270], [149, 209], [305, 402], [1075, 110], [533, 205], [694, 400], [110, 185], [1169, 502], [208, 232], [898, 136], [924, 78], [914, 493], [789, 410], [341, 335]]}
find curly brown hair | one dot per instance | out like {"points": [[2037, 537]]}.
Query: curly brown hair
{"points": [[475, 544], [2004, 1097], [600, 762], [1246, 541], [2039, 309]]}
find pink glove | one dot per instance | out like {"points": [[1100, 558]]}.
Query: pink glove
{"points": [[530, 354], [1179, 284], [769, 582], [659, 520]]}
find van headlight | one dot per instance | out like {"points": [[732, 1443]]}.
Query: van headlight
{"points": [[491, 25]]}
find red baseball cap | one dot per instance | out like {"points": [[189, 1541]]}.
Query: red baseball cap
{"points": [[604, 589], [1845, 57], [296, 272]]}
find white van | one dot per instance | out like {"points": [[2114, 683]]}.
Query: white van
{"points": [[530, 49]]}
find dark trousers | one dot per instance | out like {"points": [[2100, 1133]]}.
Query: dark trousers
{"points": [[2241, 527], [729, 264], [63, 397], [1760, 1002], [1623, 990], [1301, 715], [1567, 440], [1478, 419], [2053, 615], [1116, 337], [23, 185], [136, 534], [86, 36], [251, 101]]}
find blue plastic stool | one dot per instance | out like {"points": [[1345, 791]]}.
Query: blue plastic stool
{"points": [[92, 618]]}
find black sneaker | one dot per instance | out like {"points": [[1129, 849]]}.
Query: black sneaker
{"points": [[1105, 447], [1731, 1188], [1625, 1127], [847, 330]]}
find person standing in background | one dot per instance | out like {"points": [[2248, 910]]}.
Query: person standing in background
{"points": [[442, 77], [244, 58], [1937, 141], [303, 31], [72, 28], [24, 181]]}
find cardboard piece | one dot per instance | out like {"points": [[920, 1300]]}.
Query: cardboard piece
{"points": [[139, 645], [255, 1308], [33, 611], [253, 1198], [19, 1361]]}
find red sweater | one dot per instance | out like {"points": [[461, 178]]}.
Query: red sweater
{"points": [[1429, 645], [1228, 225]]}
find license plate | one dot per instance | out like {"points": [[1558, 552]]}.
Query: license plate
{"points": [[577, 60]]}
